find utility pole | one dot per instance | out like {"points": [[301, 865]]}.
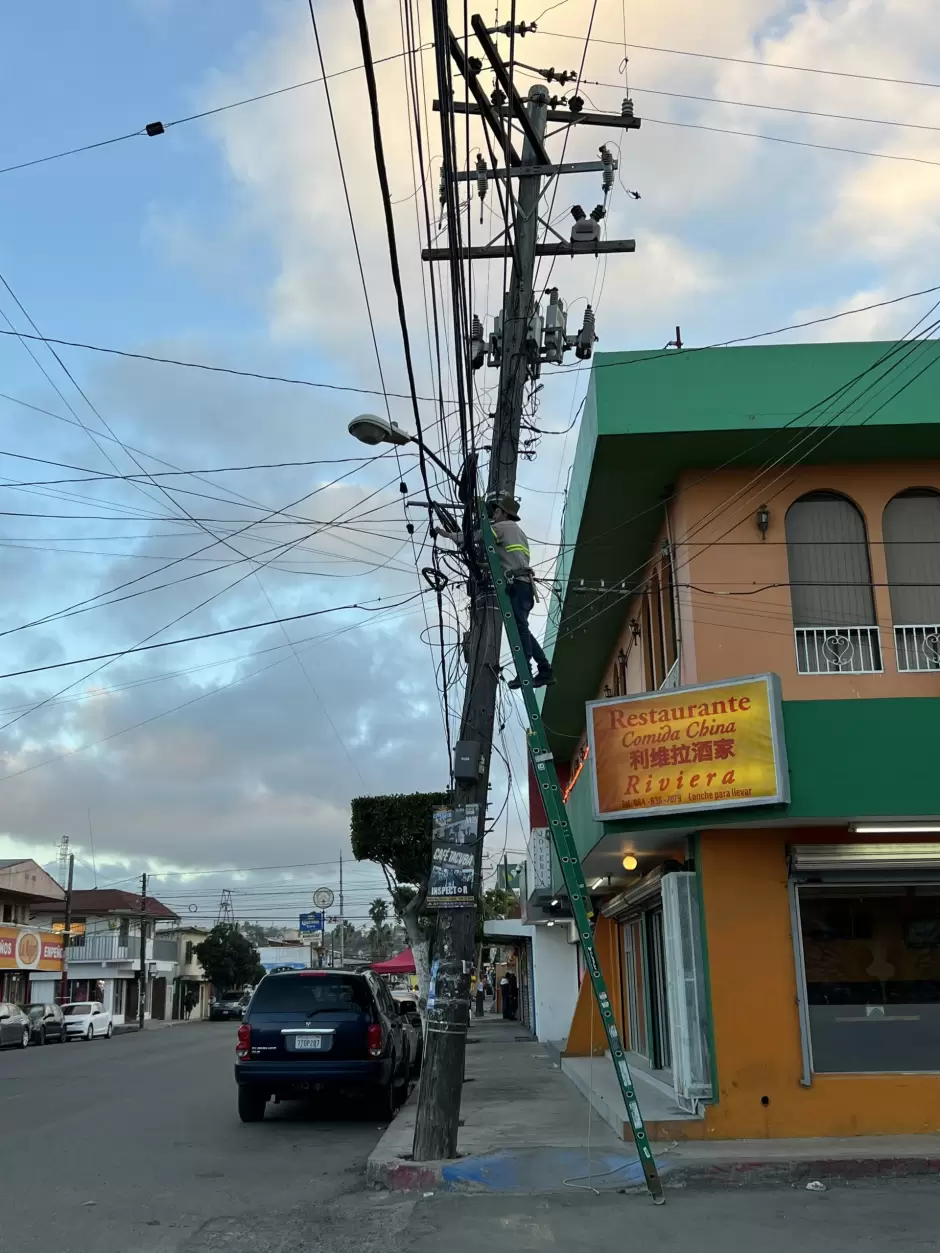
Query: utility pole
{"points": [[342, 917], [518, 347], [142, 976], [67, 934]]}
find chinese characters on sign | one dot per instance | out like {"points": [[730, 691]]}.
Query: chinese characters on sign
{"points": [[710, 747], [453, 857]]}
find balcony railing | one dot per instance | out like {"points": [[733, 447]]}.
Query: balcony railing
{"points": [[917, 647], [113, 947], [838, 650], [672, 678]]}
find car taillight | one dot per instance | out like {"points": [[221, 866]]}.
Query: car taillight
{"points": [[243, 1047], [374, 1039]]}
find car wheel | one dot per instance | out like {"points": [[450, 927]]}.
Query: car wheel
{"points": [[385, 1102], [251, 1104], [110, 1031], [90, 1033], [24, 1043]]}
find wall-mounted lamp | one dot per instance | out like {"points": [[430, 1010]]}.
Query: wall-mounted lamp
{"points": [[629, 862], [607, 691], [763, 521], [635, 630]]}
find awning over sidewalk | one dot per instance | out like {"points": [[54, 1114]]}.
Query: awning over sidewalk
{"points": [[402, 963]]}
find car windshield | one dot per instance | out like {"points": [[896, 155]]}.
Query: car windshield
{"points": [[76, 1011], [311, 994], [231, 996], [34, 1011]]}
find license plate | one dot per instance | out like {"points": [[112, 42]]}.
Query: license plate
{"points": [[308, 1041]]}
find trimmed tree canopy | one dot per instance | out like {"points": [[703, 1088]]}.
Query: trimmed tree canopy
{"points": [[395, 831], [229, 958]]}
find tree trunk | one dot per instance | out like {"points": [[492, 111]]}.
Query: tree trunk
{"points": [[419, 948]]}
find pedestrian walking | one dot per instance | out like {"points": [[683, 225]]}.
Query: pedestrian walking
{"points": [[189, 1003]]}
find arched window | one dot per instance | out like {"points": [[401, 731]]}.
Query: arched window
{"points": [[830, 586], [911, 529]]}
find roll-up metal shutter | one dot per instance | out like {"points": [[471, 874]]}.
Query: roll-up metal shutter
{"points": [[866, 861], [632, 900]]}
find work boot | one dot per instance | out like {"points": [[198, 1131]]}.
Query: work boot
{"points": [[516, 684], [544, 678]]}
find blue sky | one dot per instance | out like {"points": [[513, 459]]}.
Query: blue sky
{"points": [[226, 240]]}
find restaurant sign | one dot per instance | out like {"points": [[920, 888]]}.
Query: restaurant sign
{"points": [[29, 950], [684, 750]]}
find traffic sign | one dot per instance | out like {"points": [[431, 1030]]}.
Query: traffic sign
{"points": [[311, 924]]}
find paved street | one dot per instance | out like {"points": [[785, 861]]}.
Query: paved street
{"points": [[133, 1144]]}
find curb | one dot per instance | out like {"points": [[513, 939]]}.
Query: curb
{"points": [[547, 1169]]}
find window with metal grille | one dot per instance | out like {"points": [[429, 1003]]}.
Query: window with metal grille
{"points": [[911, 529], [830, 586]]}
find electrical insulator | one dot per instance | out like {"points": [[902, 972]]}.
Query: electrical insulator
{"points": [[533, 344], [626, 108], [442, 196], [607, 177], [495, 354], [598, 213], [556, 328], [477, 343], [584, 345], [482, 182]]}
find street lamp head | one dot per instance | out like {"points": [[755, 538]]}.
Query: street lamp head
{"points": [[369, 428]]}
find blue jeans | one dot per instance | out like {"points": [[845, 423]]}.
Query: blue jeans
{"points": [[522, 598]]}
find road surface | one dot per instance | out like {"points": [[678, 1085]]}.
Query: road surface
{"points": [[133, 1145]]}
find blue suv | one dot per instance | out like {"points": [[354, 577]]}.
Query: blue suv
{"points": [[311, 1031]]}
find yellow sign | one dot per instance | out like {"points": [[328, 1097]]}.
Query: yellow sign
{"points": [[688, 749]]}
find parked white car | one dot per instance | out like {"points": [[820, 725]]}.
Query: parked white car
{"points": [[86, 1019]]}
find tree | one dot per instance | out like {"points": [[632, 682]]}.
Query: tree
{"points": [[254, 932], [395, 832], [379, 937], [500, 903], [229, 959]]}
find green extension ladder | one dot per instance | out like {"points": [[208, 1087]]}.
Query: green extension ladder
{"points": [[571, 869]]}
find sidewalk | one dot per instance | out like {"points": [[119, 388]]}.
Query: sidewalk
{"points": [[526, 1128]]}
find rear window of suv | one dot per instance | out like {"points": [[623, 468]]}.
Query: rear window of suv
{"points": [[311, 994]]}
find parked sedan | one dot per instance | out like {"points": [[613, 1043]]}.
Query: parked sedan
{"points": [[411, 1018], [46, 1022], [227, 1006], [14, 1026], [86, 1019]]}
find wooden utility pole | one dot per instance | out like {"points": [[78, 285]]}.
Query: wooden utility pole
{"points": [[142, 976], [67, 934], [520, 350]]}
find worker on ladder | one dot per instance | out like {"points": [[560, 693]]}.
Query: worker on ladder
{"points": [[515, 562]]}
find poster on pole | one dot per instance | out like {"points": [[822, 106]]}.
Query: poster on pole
{"points": [[453, 857]]}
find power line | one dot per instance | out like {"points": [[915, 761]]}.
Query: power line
{"points": [[798, 143], [775, 108], [208, 635], [767, 65], [214, 369], [144, 131]]}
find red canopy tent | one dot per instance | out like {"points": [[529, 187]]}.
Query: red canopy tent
{"points": [[401, 964]]}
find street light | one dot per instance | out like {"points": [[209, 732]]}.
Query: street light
{"points": [[371, 429]]}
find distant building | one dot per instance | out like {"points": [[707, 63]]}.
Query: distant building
{"points": [[30, 956], [104, 956]]}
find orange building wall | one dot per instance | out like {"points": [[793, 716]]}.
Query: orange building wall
{"points": [[755, 1017], [586, 1033], [752, 634]]}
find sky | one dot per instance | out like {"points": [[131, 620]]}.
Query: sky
{"points": [[226, 241]]}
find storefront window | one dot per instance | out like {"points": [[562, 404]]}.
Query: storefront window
{"points": [[872, 964]]}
